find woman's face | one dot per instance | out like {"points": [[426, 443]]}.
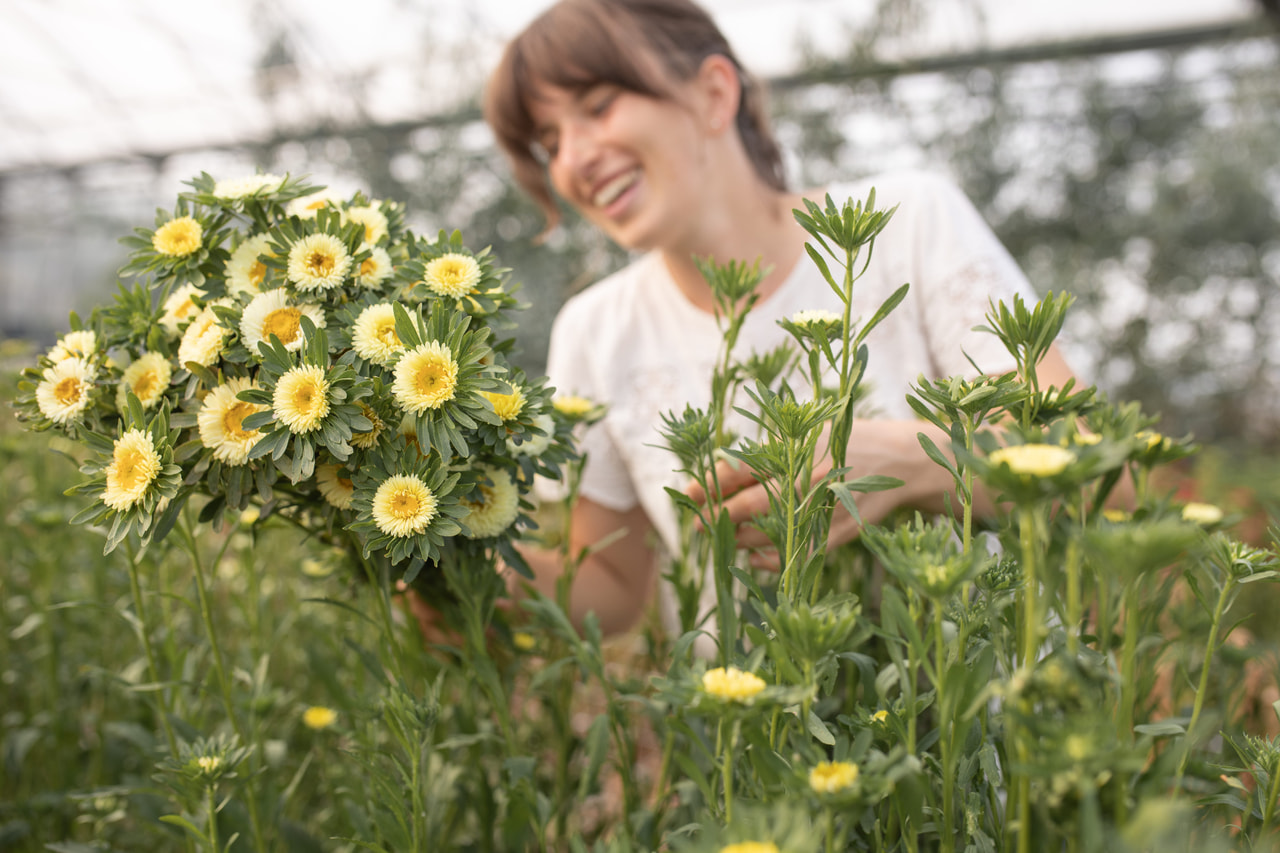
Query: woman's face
{"points": [[629, 163]]}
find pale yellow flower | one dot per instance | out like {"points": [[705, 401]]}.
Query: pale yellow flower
{"points": [[209, 764], [832, 777], [318, 717], [301, 398], [492, 510], [202, 340], [307, 206], [64, 390], [365, 440], [318, 262], [373, 220], [135, 464], [507, 406], [524, 641], [79, 344], [374, 336], [375, 269], [815, 316], [179, 308], [1077, 747], [750, 847], [233, 188], [178, 237], [533, 446], [572, 406], [453, 275], [403, 506], [1033, 460], [245, 270], [250, 515], [1152, 439], [221, 422], [880, 716], [148, 379], [1088, 439], [1115, 516], [334, 488], [426, 377], [732, 684], [1201, 513], [273, 313]]}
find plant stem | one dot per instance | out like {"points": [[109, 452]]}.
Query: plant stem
{"points": [[212, 806], [1202, 688], [144, 631], [1074, 616], [1030, 592], [946, 830], [1273, 791]]}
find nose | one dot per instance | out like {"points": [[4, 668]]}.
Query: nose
{"points": [[578, 152]]}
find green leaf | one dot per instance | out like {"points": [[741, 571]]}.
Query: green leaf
{"points": [[883, 311], [597, 742], [819, 729]]}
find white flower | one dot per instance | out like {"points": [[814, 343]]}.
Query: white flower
{"points": [[240, 187], [373, 220], [534, 445], [375, 269], [270, 313], [221, 422], [148, 379], [202, 340], [63, 393], [374, 336], [494, 505], [180, 307], [79, 344], [245, 271], [307, 206], [318, 262], [815, 316]]}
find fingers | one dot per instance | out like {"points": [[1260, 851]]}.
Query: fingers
{"points": [[731, 476]]}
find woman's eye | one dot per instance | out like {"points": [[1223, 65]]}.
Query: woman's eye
{"points": [[599, 103]]}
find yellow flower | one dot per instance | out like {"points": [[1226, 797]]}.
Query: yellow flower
{"points": [[335, 489], [1077, 747], [495, 506], [306, 207], [1201, 513], [1033, 460], [63, 392], [245, 269], [572, 406], [732, 684], [1153, 439], [270, 313], [375, 269], [233, 188], [403, 506], [815, 316], [1115, 516], [507, 406], [524, 641], [880, 716], [148, 379], [750, 847], [79, 344], [832, 777], [221, 423], [318, 262], [135, 464], [318, 717], [1087, 438], [452, 275], [373, 220], [301, 398], [178, 237], [180, 307], [250, 515], [365, 440], [426, 377], [202, 340], [209, 764], [374, 336]]}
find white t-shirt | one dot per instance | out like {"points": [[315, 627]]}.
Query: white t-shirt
{"points": [[634, 342]]}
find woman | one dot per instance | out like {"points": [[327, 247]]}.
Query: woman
{"points": [[638, 115]]}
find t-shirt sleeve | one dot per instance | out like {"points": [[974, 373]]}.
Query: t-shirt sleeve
{"points": [[572, 370], [962, 268]]}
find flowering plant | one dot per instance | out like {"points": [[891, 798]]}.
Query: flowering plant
{"points": [[286, 347]]}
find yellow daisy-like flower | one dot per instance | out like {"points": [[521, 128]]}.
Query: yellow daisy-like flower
{"points": [[335, 489], [208, 764], [301, 399], [1115, 516], [375, 269], [271, 313], [732, 684], [374, 337], [178, 237], [572, 406], [365, 440], [221, 422], [202, 340], [233, 188], [64, 390], [306, 207], [318, 717], [534, 445], [1153, 439], [494, 507], [249, 516], [508, 406], [180, 307], [524, 641], [426, 377], [79, 344], [148, 379], [403, 506], [880, 716], [1033, 460], [1201, 513], [453, 275], [832, 777], [135, 464], [373, 220], [750, 847], [318, 262], [245, 269]]}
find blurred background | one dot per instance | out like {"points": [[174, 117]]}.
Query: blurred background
{"points": [[1125, 151]]}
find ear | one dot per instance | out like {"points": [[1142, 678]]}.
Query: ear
{"points": [[720, 90]]}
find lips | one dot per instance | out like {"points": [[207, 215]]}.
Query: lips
{"points": [[613, 188]]}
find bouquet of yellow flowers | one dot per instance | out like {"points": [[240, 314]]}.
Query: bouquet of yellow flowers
{"points": [[285, 347]]}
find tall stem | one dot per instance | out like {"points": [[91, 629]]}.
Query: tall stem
{"points": [[946, 832], [162, 696], [1202, 688], [1030, 625]]}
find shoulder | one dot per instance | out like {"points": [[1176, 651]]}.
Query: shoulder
{"points": [[609, 302], [916, 192]]}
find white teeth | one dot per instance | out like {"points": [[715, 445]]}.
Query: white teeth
{"points": [[616, 187]]}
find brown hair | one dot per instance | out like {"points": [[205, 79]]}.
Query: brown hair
{"points": [[577, 44]]}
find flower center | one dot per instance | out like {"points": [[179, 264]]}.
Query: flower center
{"points": [[304, 398], [257, 272], [129, 468], [283, 323], [368, 267], [429, 376], [234, 418], [320, 263], [67, 391], [146, 385], [387, 336], [405, 504], [486, 496]]}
